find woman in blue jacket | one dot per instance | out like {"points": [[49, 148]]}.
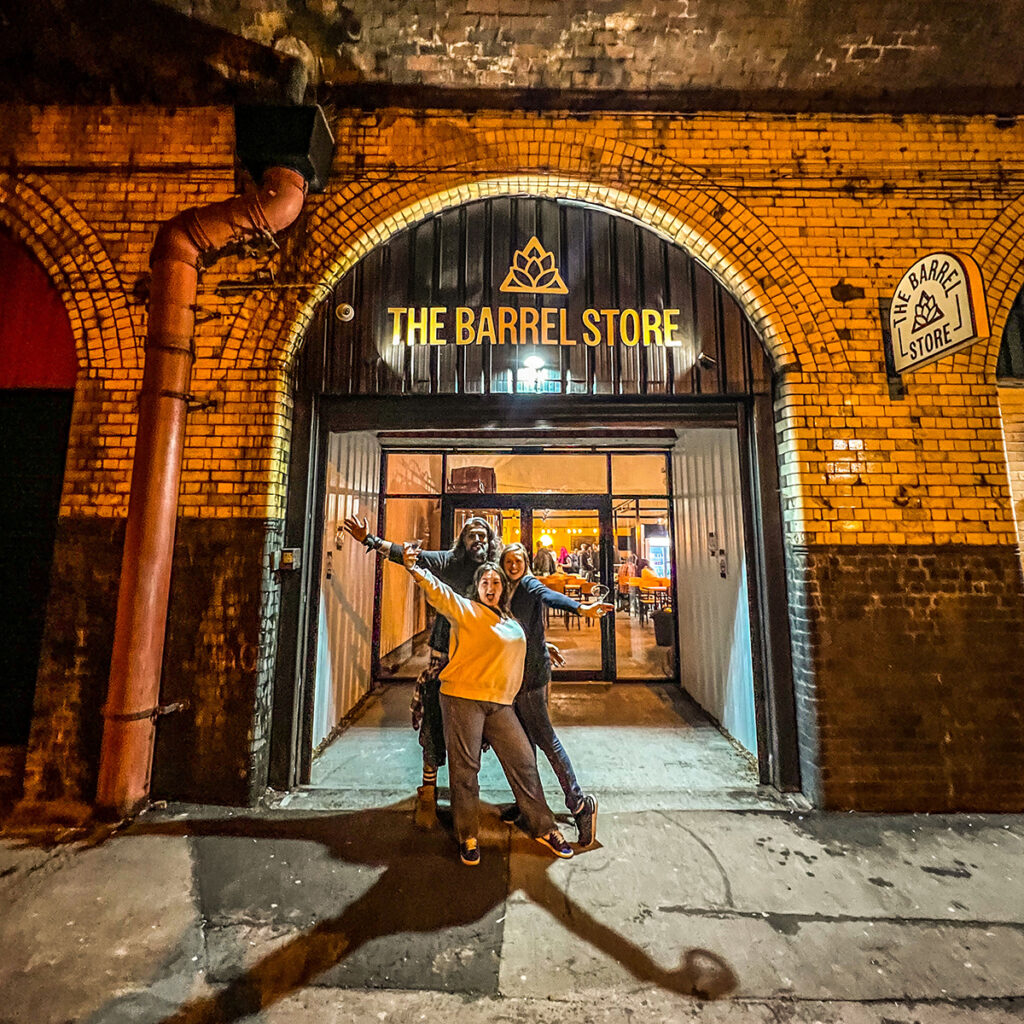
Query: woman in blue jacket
{"points": [[529, 596]]}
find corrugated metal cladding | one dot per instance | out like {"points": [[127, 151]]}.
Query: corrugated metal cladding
{"points": [[345, 633], [711, 580], [460, 257]]}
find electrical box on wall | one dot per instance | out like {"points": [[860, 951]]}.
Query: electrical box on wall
{"points": [[286, 559]]}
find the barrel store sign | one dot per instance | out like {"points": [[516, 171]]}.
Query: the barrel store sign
{"points": [[533, 271], [937, 309]]}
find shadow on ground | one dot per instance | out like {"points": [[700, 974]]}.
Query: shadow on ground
{"points": [[293, 877]]}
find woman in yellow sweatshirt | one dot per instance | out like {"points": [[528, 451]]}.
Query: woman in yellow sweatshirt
{"points": [[478, 687]]}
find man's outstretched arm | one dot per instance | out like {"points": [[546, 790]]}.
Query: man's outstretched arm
{"points": [[359, 529]]}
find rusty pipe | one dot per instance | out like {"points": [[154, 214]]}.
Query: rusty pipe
{"points": [[182, 245]]}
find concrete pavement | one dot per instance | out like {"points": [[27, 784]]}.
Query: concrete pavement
{"points": [[200, 914]]}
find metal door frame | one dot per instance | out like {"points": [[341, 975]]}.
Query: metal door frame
{"points": [[316, 416], [526, 503]]}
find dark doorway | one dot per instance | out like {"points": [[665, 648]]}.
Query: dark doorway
{"points": [[37, 374]]}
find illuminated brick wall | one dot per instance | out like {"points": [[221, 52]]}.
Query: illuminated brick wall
{"points": [[810, 220]]}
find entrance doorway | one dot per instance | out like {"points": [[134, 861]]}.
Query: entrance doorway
{"points": [[613, 545], [667, 538], [659, 700], [530, 360], [38, 369]]}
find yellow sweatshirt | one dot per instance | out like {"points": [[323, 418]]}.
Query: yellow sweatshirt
{"points": [[487, 652]]}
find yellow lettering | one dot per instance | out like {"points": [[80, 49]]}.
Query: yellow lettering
{"points": [[396, 312], [670, 328], [562, 338], [486, 327], [547, 326], [609, 316], [437, 325], [591, 328], [630, 335], [652, 327], [416, 328], [528, 325], [464, 318], [507, 323]]}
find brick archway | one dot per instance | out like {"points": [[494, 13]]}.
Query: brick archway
{"points": [[80, 269], [447, 166], [1003, 278]]}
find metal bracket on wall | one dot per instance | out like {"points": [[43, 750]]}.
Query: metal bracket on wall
{"points": [[897, 389], [197, 404]]}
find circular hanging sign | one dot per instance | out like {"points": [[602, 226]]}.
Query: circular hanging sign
{"points": [[937, 309]]}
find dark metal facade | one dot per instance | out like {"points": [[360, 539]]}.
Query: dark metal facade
{"points": [[460, 257]]}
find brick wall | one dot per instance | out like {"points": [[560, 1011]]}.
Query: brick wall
{"points": [[704, 53], [810, 220]]}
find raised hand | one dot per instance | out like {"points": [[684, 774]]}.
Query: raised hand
{"points": [[357, 528], [557, 658], [411, 552]]}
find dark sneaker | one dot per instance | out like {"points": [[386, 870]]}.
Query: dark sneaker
{"points": [[586, 821], [469, 853], [554, 841], [510, 813]]}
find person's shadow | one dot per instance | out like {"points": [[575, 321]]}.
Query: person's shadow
{"points": [[423, 889]]}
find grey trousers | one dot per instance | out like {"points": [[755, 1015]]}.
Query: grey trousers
{"points": [[466, 724]]}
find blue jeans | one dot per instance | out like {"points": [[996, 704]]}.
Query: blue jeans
{"points": [[532, 708]]}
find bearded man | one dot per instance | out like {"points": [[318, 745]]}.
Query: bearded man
{"points": [[476, 544]]}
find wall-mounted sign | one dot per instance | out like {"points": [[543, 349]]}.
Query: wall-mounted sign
{"points": [[533, 272], [937, 309]]}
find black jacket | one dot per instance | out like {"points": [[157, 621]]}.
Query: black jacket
{"points": [[528, 602]]}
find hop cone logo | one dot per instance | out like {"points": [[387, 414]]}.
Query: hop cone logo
{"points": [[533, 270], [926, 312]]}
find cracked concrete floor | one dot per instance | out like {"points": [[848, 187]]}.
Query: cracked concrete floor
{"points": [[747, 911], [195, 914]]}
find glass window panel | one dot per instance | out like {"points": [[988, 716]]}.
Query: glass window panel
{"points": [[572, 538], [564, 473], [405, 616], [645, 618], [414, 473], [639, 474], [505, 523]]}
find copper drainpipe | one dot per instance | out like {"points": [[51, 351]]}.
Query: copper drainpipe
{"points": [[182, 245]]}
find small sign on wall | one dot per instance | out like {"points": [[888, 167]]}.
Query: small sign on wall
{"points": [[937, 309]]}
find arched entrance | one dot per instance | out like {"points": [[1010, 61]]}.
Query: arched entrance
{"points": [[38, 367], [573, 376], [1010, 379]]}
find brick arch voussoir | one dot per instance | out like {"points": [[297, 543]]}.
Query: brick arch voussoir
{"points": [[710, 223], [768, 282], [811, 340], [582, 153], [999, 254], [74, 257]]}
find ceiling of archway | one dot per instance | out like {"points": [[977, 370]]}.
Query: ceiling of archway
{"points": [[884, 55]]}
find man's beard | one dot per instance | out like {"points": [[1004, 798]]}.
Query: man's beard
{"points": [[478, 552]]}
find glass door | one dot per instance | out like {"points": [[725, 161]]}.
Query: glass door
{"points": [[566, 544], [569, 539]]}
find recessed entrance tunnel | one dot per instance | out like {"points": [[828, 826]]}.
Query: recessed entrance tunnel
{"points": [[594, 393], [655, 703]]}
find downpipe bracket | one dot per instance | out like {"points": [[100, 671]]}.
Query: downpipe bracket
{"points": [[150, 713]]}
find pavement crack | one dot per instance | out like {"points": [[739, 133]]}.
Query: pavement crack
{"points": [[782, 921], [729, 901]]}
